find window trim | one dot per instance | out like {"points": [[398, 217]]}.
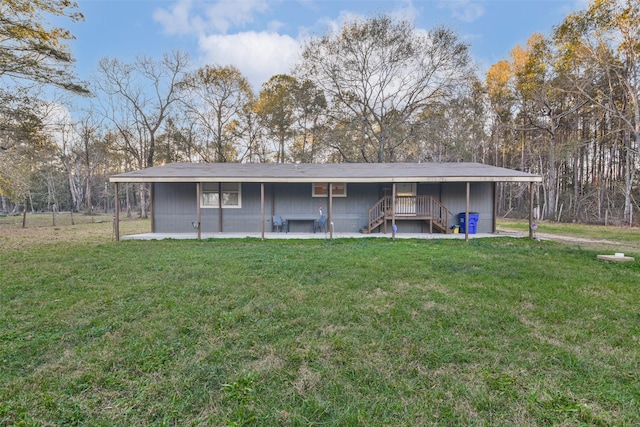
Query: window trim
{"points": [[215, 190], [407, 189], [339, 189]]}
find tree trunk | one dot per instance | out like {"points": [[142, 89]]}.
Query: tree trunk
{"points": [[128, 201], [629, 176], [143, 201], [553, 173]]}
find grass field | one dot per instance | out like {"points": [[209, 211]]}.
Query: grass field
{"points": [[593, 236], [363, 332]]}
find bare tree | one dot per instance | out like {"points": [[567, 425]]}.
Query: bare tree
{"points": [[137, 100], [378, 76], [67, 156]]}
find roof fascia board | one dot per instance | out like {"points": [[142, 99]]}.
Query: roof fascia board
{"points": [[332, 180]]}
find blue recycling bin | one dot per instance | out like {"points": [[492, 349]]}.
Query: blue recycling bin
{"points": [[473, 222]]}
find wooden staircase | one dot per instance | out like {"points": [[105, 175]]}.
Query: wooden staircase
{"points": [[415, 208]]}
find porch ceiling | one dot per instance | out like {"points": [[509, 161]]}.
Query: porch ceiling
{"points": [[326, 172]]}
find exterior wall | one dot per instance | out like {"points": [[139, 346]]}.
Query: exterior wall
{"points": [[247, 218], [349, 213], [174, 207], [481, 200]]}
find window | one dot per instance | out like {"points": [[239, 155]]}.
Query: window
{"points": [[231, 195], [321, 189], [406, 189]]}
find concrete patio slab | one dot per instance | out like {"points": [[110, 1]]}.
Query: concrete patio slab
{"points": [[271, 235]]}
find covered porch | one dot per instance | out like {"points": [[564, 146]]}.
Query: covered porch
{"points": [[219, 199]]}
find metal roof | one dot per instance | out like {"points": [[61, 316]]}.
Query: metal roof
{"points": [[326, 172]]}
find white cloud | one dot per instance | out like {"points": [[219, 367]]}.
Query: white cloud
{"points": [[176, 20], [406, 12], [258, 55], [199, 17], [226, 14], [222, 30], [464, 10], [275, 26], [334, 26]]}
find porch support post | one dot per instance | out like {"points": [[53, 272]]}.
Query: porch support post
{"points": [[432, 214], [262, 206], [393, 212], [152, 196], [220, 207], [116, 218], [495, 208], [530, 210], [198, 211], [273, 199], [330, 213], [466, 213]]}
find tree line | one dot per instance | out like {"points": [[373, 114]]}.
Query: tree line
{"points": [[564, 106]]}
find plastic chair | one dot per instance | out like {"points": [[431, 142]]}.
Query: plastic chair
{"points": [[320, 223], [278, 223]]}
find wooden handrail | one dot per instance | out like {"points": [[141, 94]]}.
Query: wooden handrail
{"points": [[377, 211], [409, 206]]}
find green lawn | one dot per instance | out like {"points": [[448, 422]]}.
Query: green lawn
{"points": [[366, 332]]}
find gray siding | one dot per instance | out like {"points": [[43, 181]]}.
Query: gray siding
{"points": [[175, 206], [349, 213], [481, 196]]}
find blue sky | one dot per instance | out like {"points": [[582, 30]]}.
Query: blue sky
{"points": [[262, 37]]}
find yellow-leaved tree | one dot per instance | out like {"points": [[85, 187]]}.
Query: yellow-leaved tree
{"points": [[33, 54]]}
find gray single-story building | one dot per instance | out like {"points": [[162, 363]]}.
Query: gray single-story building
{"points": [[352, 197]]}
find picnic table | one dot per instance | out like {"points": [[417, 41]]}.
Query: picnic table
{"points": [[289, 220]]}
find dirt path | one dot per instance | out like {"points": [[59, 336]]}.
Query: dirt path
{"points": [[603, 244]]}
